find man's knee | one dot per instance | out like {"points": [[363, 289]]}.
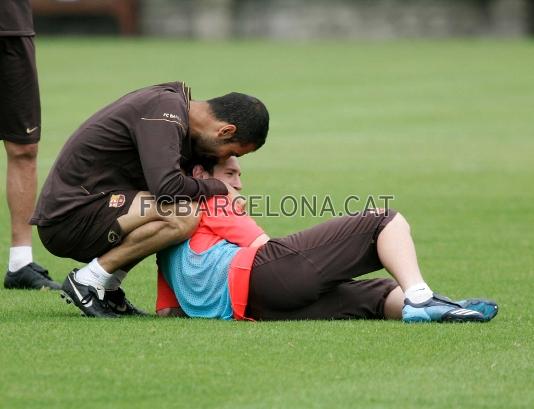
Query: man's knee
{"points": [[180, 219], [184, 226], [401, 221], [21, 152], [175, 229], [183, 219]]}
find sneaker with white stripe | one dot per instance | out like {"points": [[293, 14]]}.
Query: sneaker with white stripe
{"points": [[488, 308], [438, 309], [90, 300]]}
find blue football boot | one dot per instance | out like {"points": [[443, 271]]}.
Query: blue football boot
{"points": [[439, 309], [488, 308]]}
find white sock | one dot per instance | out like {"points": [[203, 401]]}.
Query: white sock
{"points": [[116, 280], [418, 293], [19, 257], [94, 275]]}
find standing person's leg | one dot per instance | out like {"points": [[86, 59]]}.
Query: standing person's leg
{"points": [[21, 187], [20, 121]]}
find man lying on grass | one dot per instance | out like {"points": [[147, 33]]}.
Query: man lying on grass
{"points": [[231, 269]]}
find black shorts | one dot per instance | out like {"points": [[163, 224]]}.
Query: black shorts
{"points": [[91, 230], [20, 106], [309, 275]]}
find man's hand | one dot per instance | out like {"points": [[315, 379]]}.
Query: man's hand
{"points": [[239, 202]]}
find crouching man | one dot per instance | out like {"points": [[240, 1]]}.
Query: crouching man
{"points": [[102, 201]]}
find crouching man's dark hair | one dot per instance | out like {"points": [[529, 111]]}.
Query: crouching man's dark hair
{"points": [[248, 114]]}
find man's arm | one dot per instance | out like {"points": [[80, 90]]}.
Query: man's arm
{"points": [[157, 135]]}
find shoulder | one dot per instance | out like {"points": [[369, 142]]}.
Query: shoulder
{"points": [[160, 103]]}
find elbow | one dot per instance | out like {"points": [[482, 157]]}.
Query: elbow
{"points": [[260, 241], [171, 312], [170, 188]]}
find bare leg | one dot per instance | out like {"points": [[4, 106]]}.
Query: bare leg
{"points": [[21, 187], [397, 252], [142, 242], [148, 231], [394, 304], [21, 190]]}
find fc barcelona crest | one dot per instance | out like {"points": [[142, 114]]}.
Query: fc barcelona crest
{"points": [[117, 201]]}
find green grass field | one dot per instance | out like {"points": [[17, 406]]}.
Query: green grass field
{"points": [[446, 126]]}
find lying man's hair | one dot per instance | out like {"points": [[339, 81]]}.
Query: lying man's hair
{"points": [[207, 163]]}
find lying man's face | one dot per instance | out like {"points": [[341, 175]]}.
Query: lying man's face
{"points": [[227, 170]]}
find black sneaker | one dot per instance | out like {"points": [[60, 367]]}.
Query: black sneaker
{"points": [[30, 277], [90, 300], [119, 304]]}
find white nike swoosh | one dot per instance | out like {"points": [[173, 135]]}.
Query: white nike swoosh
{"points": [[78, 294], [28, 130]]}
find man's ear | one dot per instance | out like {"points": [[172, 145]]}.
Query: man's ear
{"points": [[227, 131], [198, 172]]}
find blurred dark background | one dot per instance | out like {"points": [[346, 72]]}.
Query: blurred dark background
{"points": [[287, 19]]}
